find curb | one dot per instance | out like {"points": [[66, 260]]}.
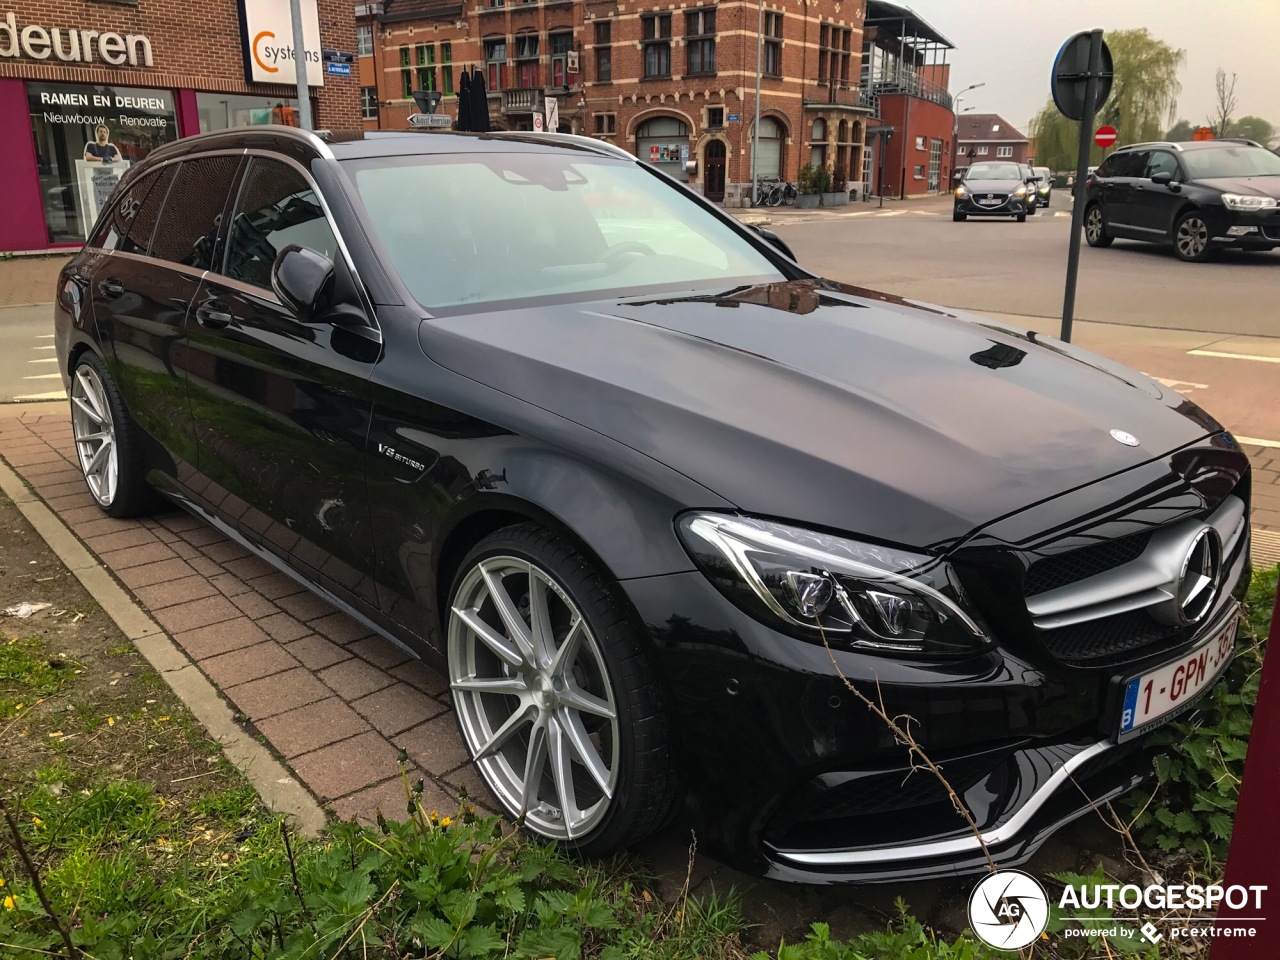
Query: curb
{"points": [[277, 787]]}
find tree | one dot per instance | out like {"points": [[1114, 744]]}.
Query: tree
{"points": [[1143, 101], [1180, 132], [1224, 103], [1253, 128]]}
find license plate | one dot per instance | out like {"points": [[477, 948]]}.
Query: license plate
{"points": [[1165, 690], [991, 203]]}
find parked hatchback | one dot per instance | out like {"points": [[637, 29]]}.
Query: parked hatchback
{"points": [[664, 507], [1199, 197]]}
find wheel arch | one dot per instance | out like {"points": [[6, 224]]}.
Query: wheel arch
{"points": [[1187, 206]]}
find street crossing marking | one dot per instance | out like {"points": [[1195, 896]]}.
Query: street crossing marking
{"points": [[1255, 442], [44, 376], [44, 360], [1232, 356]]}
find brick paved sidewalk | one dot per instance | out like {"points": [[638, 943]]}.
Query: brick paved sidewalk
{"points": [[336, 701]]}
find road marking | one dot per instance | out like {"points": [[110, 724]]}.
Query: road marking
{"points": [[1061, 213], [44, 360], [44, 376], [1180, 384], [49, 347], [44, 336], [1255, 442], [1232, 356]]}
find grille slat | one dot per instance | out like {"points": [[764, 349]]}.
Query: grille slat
{"points": [[1053, 572]]}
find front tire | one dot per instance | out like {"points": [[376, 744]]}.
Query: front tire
{"points": [[1095, 227], [557, 705], [959, 217], [108, 442], [1191, 238], [1022, 217]]}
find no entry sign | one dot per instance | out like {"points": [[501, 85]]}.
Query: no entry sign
{"points": [[1105, 136]]}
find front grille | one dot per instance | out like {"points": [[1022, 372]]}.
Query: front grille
{"points": [[1098, 643], [981, 199], [896, 790], [1053, 572]]}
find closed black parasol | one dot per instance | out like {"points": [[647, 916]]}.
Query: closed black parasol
{"points": [[464, 101], [479, 103]]}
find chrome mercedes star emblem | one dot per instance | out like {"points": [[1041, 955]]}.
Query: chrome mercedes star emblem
{"points": [[1199, 576], [1128, 439]]}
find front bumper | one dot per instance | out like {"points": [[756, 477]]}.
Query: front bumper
{"points": [[1011, 207], [1256, 230]]}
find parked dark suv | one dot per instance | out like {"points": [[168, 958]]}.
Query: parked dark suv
{"points": [[657, 500], [1200, 197]]}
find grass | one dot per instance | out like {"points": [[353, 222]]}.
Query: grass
{"points": [[28, 673]]}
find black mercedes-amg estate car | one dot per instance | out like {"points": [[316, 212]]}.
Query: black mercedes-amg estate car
{"points": [[648, 492]]}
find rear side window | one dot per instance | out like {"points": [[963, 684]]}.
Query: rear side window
{"points": [[276, 207], [192, 215], [1131, 164], [133, 216]]}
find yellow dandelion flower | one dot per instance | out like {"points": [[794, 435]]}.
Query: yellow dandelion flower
{"points": [[20, 706], [9, 902], [56, 733], [162, 719], [445, 821], [111, 721], [37, 821], [1, 881]]}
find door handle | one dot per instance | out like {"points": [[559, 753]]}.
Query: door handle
{"points": [[208, 316], [1140, 187], [111, 287]]}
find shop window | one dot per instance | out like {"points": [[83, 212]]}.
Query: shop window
{"points": [[604, 52], [364, 40], [769, 156], [276, 207], [664, 142], [220, 111], [773, 45], [192, 213], [86, 137], [657, 44], [368, 103], [700, 42]]}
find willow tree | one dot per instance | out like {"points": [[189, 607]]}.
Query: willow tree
{"points": [[1143, 101]]}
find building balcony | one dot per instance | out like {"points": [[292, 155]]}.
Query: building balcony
{"points": [[523, 100], [912, 84], [843, 95]]}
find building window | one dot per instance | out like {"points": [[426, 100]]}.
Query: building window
{"points": [[493, 4], [773, 45], [446, 67], [657, 44], [1004, 151], [368, 103], [364, 40], [527, 61], [818, 143], [426, 66], [606, 124], [919, 143], [561, 44], [700, 42], [406, 74], [664, 141], [918, 171], [715, 117], [835, 45], [604, 53], [982, 150], [495, 61]]}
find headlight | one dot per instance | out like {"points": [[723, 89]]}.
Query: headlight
{"points": [[815, 586], [1236, 201], [961, 191], [1044, 188], [1021, 191]]}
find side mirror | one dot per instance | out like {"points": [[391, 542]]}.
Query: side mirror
{"points": [[303, 280], [1163, 178], [776, 240]]}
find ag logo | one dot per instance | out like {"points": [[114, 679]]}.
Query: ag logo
{"points": [[1008, 910]]}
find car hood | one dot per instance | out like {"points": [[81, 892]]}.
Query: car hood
{"points": [[826, 404], [1249, 186], [991, 186]]}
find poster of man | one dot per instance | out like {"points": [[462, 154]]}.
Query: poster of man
{"points": [[101, 149]]}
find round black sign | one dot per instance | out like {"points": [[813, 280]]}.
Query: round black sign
{"points": [[1071, 74]]}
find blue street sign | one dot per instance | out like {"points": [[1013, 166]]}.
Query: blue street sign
{"points": [[338, 69], [734, 118]]}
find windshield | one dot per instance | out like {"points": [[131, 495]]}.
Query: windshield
{"points": [[1226, 161], [1042, 172], [465, 229], [994, 171]]}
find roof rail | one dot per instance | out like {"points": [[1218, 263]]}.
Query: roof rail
{"points": [[1152, 143], [1242, 140]]}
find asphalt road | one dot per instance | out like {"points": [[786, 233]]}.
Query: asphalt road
{"points": [[28, 367], [915, 250]]}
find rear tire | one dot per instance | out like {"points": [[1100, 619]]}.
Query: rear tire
{"points": [[556, 702], [1095, 227], [108, 442]]}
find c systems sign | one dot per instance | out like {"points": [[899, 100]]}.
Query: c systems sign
{"points": [[267, 40]]}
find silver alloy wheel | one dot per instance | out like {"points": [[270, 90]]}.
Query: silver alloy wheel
{"points": [[533, 697], [1093, 225], [95, 434], [1193, 237]]}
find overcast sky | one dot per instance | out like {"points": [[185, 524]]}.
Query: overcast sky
{"points": [[1010, 45]]}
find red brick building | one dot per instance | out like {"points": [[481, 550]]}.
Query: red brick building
{"points": [[148, 71], [989, 136]]}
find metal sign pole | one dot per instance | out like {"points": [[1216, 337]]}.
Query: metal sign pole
{"points": [[755, 140], [1082, 169], [300, 66]]}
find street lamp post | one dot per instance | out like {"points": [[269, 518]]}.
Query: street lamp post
{"points": [[955, 127], [755, 140]]}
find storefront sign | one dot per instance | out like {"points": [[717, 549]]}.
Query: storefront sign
{"points": [[73, 44], [267, 37]]}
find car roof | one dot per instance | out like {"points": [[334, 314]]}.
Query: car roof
{"points": [[1191, 145], [358, 144]]}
